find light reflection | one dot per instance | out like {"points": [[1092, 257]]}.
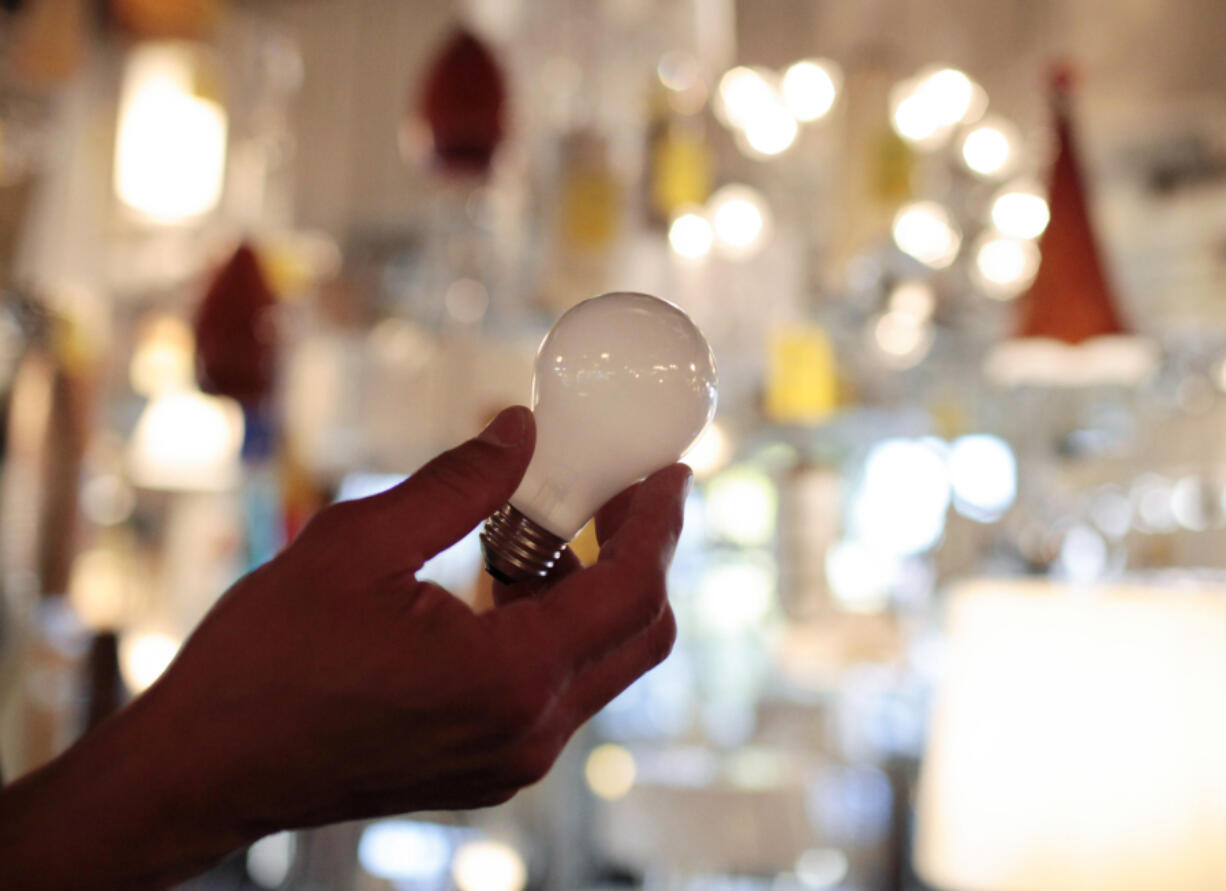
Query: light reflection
{"points": [[809, 88]]}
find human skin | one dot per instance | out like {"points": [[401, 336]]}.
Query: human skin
{"points": [[330, 684]]}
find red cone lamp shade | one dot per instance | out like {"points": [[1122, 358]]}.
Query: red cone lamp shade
{"points": [[1071, 299]]}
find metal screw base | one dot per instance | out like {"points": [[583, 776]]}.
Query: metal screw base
{"points": [[516, 549]]}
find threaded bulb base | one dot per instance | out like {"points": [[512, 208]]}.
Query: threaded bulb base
{"points": [[516, 549]]}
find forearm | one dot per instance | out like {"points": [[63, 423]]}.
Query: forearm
{"points": [[127, 807]]}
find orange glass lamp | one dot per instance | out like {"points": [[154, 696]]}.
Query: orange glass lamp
{"points": [[1078, 741]]}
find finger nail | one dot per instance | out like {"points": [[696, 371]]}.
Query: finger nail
{"points": [[507, 429], [689, 485]]}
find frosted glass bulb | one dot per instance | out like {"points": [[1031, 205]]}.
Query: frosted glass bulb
{"points": [[624, 384]]}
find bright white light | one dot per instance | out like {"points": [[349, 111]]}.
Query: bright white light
{"points": [[1188, 504], [735, 596], [269, 860], [187, 441], [710, 452], [983, 473], [913, 120], [989, 149], [925, 109], [1021, 211], [742, 92], [489, 866], [914, 299], [741, 506], [859, 578], [901, 504], [953, 97], [902, 339], [925, 230], [771, 129], [1111, 512], [170, 153], [740, 217], [691, 236], [610, 771], [1083, 554], [143, 656], [1005, 266], [404, 850], [809, 88], [822, 867]]}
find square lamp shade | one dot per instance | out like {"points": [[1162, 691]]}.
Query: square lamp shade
{"points": [[1078, 741]]}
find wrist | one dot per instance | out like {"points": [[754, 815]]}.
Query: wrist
{"points": [[127, 807]]}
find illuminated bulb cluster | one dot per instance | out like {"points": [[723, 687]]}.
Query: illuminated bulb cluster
{"points": [[765, 109], [925, 109], [736, 223]]}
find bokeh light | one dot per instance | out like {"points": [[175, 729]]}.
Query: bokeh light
{"points": [[691, 235], [1020, 210], [926, 231], [740, 219], [610, 771], [488, 865], [810, 87]]}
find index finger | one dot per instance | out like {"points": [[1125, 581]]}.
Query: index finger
{"points": [[598, 609]]}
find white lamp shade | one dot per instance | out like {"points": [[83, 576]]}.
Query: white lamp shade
{"points": [[1078, 741]]}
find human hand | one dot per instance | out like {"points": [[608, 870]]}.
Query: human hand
{"points": [[331, 684]]}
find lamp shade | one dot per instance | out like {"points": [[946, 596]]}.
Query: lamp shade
{"points": [[1078, 741]]}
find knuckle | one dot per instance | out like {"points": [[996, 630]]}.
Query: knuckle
{"points": [[455, 474]]}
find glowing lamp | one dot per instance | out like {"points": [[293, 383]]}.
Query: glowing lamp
{"points": [[170, 152], [1077, 740]]}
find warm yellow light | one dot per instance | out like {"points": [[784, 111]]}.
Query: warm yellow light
{"points": [[740, 217], [1021, 211], [691, 236], [163, 358], [710, 452], [771, 130], [99, 588], [143, 656], [610, 771], [488, 866], [990, 148], [925, 230], [187, 441], [914, 299], [903, 339], [170, 152], [925, 109], [1076, 740], [741, 92], [1004, 266], [809, 88]]}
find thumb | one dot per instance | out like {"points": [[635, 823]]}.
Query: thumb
{"points": [[447, 498]]}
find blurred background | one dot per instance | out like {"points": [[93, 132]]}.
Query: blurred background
{"points": [[951, 596]]}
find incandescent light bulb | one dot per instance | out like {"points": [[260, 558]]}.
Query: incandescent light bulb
{"points": [[624, 384]]}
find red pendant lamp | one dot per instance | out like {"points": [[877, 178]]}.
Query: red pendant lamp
{"points": [[1071, 298], [463, 102], [235, 340]]}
